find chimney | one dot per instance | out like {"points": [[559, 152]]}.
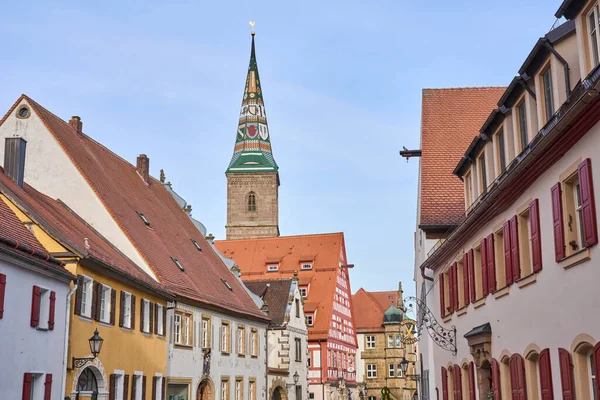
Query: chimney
{"points": [[75, 123], [14, 159], [143, 167]]}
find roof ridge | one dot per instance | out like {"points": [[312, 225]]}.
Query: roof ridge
{"points": [[466, 88], [374, 301], [281, 237]]}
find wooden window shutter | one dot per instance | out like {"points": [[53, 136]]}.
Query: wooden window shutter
{"points": [[507, 253], [156, 320], [444, 384], [144, 388], [596, 352], [455, 282], [52, 310], [126, 387], [151, 317], [491, 264], [471, 258], [132, 312], [27, 382], [122, 309], [164, 384], [514, 249], [517, 377], [134, 379], [514, 379], [465, 268], [484, 268], [154, 383], [113, 306], [536, 240], [2, 293], [142, 315], [48, 387], [113, 387], [35, 306], [496, 380], [471, 381], [164, 327], [588, 207], [457, 382], [78, 295], [450, 291], [442, 299], [96, 301], [566, 374], [557, 223], [546, 389]]}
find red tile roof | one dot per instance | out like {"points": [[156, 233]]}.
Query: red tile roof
{"points": [[275, 293], [450, 119], [369, 308], [252, 255], [124, 193]]}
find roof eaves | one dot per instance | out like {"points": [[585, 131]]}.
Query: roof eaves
{"points": [[466, 160], [569, 9]]}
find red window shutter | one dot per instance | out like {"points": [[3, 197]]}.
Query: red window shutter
{"points": [[596, 352], [465, 268], [451, 288], [48, 387], [507, 253], [2, 293], [491, 264], [471, 381], [78, 295], [496, 380], [566, 374], [455, 281], [471, 258], [517, 377], [514, 249], [444, 384], [545, 375], [52, 309], [484, 268], [557, 223], [27, 382], [457, 383], [35, 306], [442, 298], [113, 306], [588, 206], [142, 315], [536, 240]]}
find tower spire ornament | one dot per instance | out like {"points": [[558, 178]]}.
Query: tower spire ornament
{"points": [[252, 23]]}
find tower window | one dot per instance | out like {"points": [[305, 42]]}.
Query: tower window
{"points": [[251, 202]]}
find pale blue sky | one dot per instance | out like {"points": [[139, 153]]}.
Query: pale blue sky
{"points": [[342, 84]]}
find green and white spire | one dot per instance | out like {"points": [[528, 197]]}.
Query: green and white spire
{"points": [[252, 151]]}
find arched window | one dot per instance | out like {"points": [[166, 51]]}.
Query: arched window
{"points": [[87, 381], [251, 202]]}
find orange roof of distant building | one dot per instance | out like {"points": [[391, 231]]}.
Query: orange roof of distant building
{"points": [[324, 251], [369, 308], [450, 119]]}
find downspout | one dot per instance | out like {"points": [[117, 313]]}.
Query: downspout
{"points": [[523, 82], [66, 347], [425, 276], [551, 48]]}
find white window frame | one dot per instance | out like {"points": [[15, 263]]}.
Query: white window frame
{"points": [[120, 382], [105, 304], [138, 381], [44, 309], [370, 342], [146, 311], [160, 324], [399, 375], [177, 328], [595, 32], [371, 371], [303, 292], [254, 343], [224, 337], [306, 266], [239, 395], [391, 371], [390, 340], [127, 311], [159, 387], [187, 330], [240, 340], [272, 267], [309, 320], [86, 296], [205, 333], [224, 390], [578, 216]]}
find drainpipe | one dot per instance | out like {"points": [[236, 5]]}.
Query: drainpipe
{"points": [[523, 82], [551, 48], [66, 348], [425, 276]]}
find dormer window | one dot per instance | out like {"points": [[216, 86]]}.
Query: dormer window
{"points": [[272, 267], [547, 91], [522, 123], [482, 173], [197, 245], [594, 36], [306, 265], [143, 218], [469, 188], [176, 261], [303, 292], [501, 150], [309, 319]]}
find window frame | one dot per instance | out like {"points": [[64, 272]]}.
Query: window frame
{"points": [[224, 388], [522, 128], [501, 149], [86, 296], [254, 342], [309, 319], [241, 340], [547, 85], [251, 202], [469, 189], [371, 371], [303, 292], [206, 333], [127, 310], [524, 238], [160, 323], [185, 336], [370, 344], [298, 347], [105, 304], [593, 34], [391, 370], [225, 341], [146, 310]]}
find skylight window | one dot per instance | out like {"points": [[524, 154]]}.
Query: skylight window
{"points": [[143, 218], [272, 267], [176, 261], [197, 245], [306, 265], [227, 284]]}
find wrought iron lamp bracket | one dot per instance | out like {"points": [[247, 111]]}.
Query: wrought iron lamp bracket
{"points": [[442, 337], [80, 362]]}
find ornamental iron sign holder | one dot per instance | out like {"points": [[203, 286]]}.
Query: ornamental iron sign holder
{"points": [[442, 337]]}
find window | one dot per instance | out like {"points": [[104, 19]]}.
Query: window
{"points": [[146, 316], [297, 302], [398, 341], [183, 329], [501, 150], [390, 341], [399, 370], [179, 265], [143, 218], [160, 323], [126, 300], [391, 371], [522, 115], [524, 244], [42, 308], [137, 383], [482, 174], [86, 297], [241, 343], [370, 342], [309, 320], [371, 371], [224, 389], [593, 377], [196, 245], [225, 337], [303, 292], [177, 329], [119, 380], [105, 305], [254, 342], [251, 390], [238, 390], [227, 285], [158, 384], [499, 255], [206, 330], [469, 189], [547, 87], [477, 271], [593, 31], [178, 391], [272, 267], [306, 265], [298, 343], [251, 202], [459, 297], [574, 231], [187, 330]]}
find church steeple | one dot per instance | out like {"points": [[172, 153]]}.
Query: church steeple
{"points": [[252, 151]]}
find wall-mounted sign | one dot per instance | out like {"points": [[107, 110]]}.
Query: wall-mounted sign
{"points": [[409, 336]]}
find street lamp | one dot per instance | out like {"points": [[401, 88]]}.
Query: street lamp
{"points": [[95, 347], [296, 377], [404, 365]]}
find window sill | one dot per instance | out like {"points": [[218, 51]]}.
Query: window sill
{"points": [[146, 334], [126, 329], [105, 324], [447, 318], [479, 303], [85, 318], [224, 353], [575, 258], [499, 293], [182, 346], [241, 356], [461, 311], [527, 280], [253, 356], [38, 328]]}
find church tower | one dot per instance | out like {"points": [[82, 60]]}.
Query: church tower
{"points": [[252, 175]]}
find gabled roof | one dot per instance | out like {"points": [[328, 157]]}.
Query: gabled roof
{"points": [[570, 8], [324, 250], [276, 295], [450, 119], [124, 193], [370, 307]]}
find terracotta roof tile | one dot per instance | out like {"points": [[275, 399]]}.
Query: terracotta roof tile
{"points": [[450, 119], [275, 293], [369, 308], [123, 193]]}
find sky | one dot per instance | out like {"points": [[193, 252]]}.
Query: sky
{"points": [[341, 80]]}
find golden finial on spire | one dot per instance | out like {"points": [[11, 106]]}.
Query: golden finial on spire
{"points": [[252, 23]]}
